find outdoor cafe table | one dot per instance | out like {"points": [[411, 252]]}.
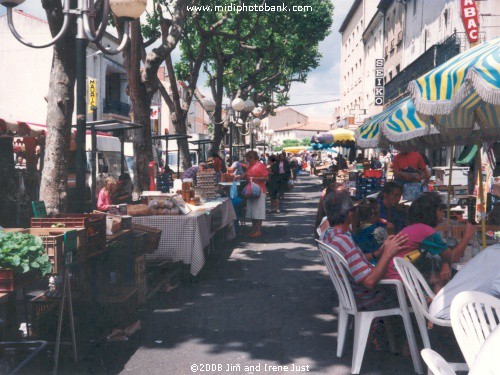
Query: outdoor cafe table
{"points": [[184, 237]]}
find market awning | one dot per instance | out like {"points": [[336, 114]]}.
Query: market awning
{"points": [[294, 149], [342, 135]]}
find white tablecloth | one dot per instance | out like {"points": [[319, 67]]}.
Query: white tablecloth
{"points": [[184, 237], [487, 361]]}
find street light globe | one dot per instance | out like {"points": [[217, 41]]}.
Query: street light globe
{"points": [[249, 105], [128, 9], [256, 122], [11, 3], [257, 111], [238, 104], [209, 105]]}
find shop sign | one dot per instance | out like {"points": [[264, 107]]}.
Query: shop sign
{"points": [[155, 110], [470, 19], [379, 82], [92, 102]]}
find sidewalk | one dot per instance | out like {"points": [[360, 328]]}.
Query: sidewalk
{"points": [[268, 305]]}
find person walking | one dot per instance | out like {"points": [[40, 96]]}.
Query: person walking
{"points": [[256, 208], [272, 184], [283, 170]]}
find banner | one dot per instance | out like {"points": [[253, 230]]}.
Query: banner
{"points": [[470, 19]]}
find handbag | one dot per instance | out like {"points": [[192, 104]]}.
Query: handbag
{"points": [[252, 190], [290, 185]]}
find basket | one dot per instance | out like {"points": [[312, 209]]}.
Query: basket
{"points": [[154, 235], [94, 224], [43, 314], [140, 278]]}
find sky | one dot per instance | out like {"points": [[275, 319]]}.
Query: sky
{"points": [[322, 84]]}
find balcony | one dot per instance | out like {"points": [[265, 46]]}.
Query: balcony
{"points": [[116, 107], [434, 56]]}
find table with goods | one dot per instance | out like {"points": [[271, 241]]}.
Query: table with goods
{"points": [[189, 218]]}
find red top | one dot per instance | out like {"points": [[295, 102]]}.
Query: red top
{"points": [[258, 170], [412, 159]]}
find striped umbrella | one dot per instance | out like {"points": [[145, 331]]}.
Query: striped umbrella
{"points": [[463, 94], [401, 125]]}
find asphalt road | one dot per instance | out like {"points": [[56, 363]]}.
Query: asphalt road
{"points": [[265, 310]]}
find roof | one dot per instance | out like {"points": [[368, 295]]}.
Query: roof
{"points": [[310, 126], [347, 18], [281, 109]]}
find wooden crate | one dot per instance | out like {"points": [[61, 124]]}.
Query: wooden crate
{"points": [[140, 278], [10, 280], [154, 236], [121, 304]]}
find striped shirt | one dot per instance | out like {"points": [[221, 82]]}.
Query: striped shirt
{"points": [[359, 267]]}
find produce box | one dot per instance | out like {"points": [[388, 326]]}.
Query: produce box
{"points": [[154, 236], [140, 278], [121, 305], [10, 280], [94, 225], [53, 242]]}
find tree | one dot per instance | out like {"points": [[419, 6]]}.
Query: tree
{"points": [[54, 183], [259, 55]]}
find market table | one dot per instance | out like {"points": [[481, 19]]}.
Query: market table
{"points": [[184, 237]]}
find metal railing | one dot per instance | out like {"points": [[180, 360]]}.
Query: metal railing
{"points": [[116, 107]]}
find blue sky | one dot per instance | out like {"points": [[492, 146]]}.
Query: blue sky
{"points": [[322, 83]]}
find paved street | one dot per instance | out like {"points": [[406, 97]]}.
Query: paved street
{"points": [[269, 305]]}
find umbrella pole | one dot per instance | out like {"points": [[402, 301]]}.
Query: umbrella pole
{"points": [[448, 211], [481, 195]]}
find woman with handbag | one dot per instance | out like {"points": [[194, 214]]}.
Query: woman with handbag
{"points": [[256, 205]]}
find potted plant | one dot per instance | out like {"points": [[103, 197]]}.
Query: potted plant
{"points": [[22, 256]]}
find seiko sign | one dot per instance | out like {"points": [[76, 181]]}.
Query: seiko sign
{"points": [[470, 19], [379, 81]]}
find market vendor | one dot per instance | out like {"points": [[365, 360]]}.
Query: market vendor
{"points": [[192, 172], [236, 167], [123, 192], [409, 170], [104, 198]]}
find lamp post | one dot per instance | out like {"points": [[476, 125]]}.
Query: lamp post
{"points": [[127, 10], [268, 133]]}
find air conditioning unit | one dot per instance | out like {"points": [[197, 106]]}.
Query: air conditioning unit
{"points": [[393, 43], [386, 51]]}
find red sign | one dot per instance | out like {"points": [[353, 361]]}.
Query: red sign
{"points": [[470, 19]]}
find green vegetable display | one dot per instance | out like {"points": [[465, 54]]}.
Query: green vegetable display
{"points": [[23, 252]]}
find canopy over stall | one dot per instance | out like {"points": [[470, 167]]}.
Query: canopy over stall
{"points": [[172, 137], [462, 96], [201, 142]]}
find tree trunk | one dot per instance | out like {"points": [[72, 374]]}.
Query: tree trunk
{"points": [[54, 183], [141, 107], [179, 122]]}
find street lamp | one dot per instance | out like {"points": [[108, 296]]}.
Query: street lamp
{"points": [[252, 125], [127, 10], [268, 133]]}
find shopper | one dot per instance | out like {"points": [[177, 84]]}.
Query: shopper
{"points": [[409, 170], [236, 167], [282, 169], [256, 208], [272, 184], [390, 214]]}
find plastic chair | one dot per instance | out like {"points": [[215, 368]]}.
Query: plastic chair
{"points": [[419, 291], [436, 363], [474, 315], [338, 269]]}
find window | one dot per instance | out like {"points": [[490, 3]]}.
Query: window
{"points": [[398, 68], [414, 7], [446, 18]]}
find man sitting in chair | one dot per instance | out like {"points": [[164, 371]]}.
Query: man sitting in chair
{"points": [[339, 210]]}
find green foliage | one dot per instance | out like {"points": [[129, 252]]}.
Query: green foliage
{"points": [[23, 252], [305, 142], [291, 142]]}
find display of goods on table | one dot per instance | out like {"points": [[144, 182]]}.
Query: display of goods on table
{"points": [[188, 192], [23, 258], [164, 182], [367, 186], [208, 184], [94, 225]]}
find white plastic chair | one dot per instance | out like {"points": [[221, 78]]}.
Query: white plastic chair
{"points": [[419, 291], [474, 315], [337, 269], [436, 363]]}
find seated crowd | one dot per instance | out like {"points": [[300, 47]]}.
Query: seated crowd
{"points": [[371, 234]]}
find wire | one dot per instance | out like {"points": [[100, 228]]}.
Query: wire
{"points": [[296, 105]]}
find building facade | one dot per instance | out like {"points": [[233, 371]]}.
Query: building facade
{"points": [[25, 99], [283, 117], [353, 85], [300, 131]]}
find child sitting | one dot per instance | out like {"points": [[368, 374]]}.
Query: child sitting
{"points": [[370, 233]]}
